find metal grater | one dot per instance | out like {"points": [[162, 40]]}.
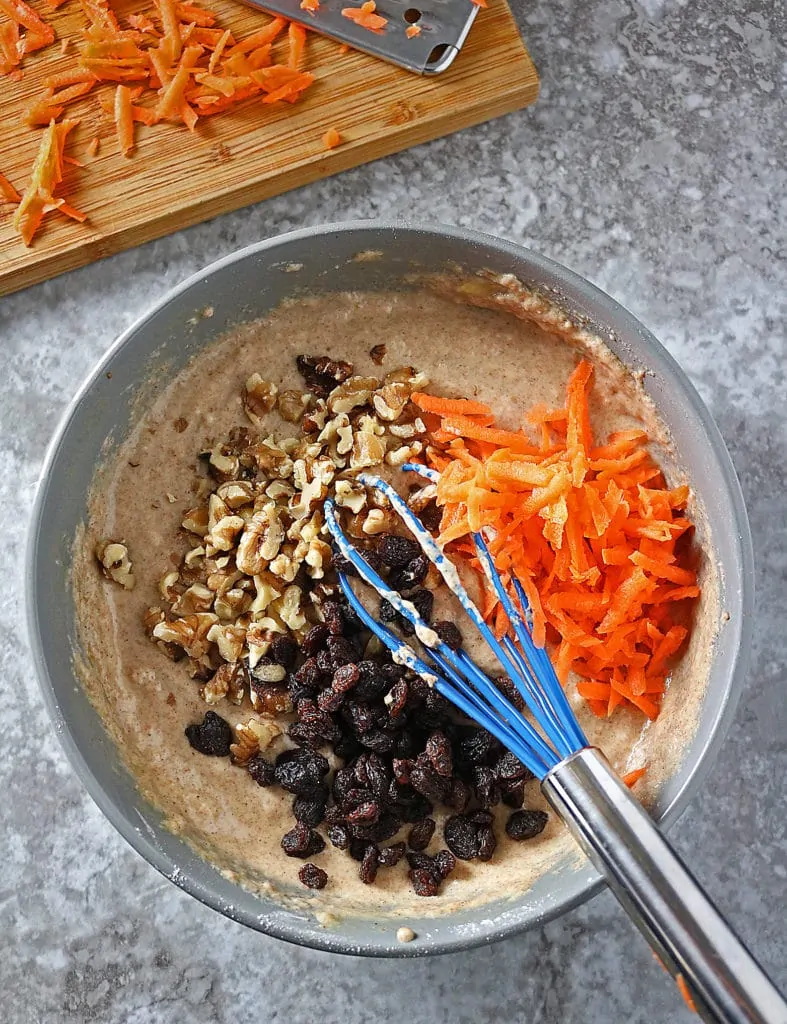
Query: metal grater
{"points": [[444, 27]]}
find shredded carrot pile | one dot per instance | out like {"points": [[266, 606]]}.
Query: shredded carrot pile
{"points": [[172, 63], [39, 196], [366, 16], [590, 530], [24, 32]]}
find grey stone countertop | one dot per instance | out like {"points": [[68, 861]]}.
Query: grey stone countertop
{"points": [[654, 164]]}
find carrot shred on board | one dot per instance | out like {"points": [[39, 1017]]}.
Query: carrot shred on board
{"points": [[592, 545], [331, 139], [296, 35], [124, 119], [7, 191], [47, 173]]}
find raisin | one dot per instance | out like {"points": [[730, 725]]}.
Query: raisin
{"points": [[429, 784], [370, 770], [389, 856], [341, 651], [372, 682], [401, 770], [387, 612], [448, 633], [476, 747], [339, 837], [345, 677], [507, 687], [445, 862], [358, 848], [431, 516], [398, 695], [369, 865], [414, 809], [424, 602], [307, 678], [377, 832], [459, 796], [300, 771], [342, 565], [462, 836], [367, 812], [347, 747], [330, 701], [321, 373], [284, 651], [421, 834], [485, 785], [487, 844], [424, 882], [262, 771], [315, 639], [309, 808], [418, 859], [438, 750], [514, 795], [396, 552], [526, 824], [358, 716], [508, 768], [412, 575], [301, 841], [313, 877], [213, 736], [377, 740], [332, 616]]}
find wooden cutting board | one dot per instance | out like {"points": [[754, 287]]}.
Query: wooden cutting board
{"points": [[176, 178]]}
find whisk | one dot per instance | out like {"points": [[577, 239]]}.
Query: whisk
{"points": [[692, 940]]}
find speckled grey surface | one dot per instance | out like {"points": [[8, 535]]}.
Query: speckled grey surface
{"points": [[652, 165]]}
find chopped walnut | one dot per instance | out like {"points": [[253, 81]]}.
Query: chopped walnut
{"points": [[292, 405], [195, 558], [196, 521], [289, 608], [405, 453], [190, 633], [236, 493], [232, 604], [377, 521], [350, 494], [354, 392], [216, 688], [266, 594], [251, 737], [390, 401], [223, 467], [259, 397], [317, 558], [224, 534], [197, 598], [368, 447], [151, 618], [228, 639], [167, 584], [116, 563], [262, 537]]}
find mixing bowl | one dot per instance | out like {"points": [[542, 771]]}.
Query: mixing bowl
{"points": [[245, 286]]}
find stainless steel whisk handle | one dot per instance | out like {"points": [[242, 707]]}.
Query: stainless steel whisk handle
{"points": [[686, 931]]}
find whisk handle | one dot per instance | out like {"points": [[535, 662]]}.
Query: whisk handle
{"points": [[685, 930]]}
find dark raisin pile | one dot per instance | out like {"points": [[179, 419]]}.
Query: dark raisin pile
{"points": [[403, 752]]}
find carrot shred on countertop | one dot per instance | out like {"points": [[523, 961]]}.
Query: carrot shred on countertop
{"points": [[595, 548]]}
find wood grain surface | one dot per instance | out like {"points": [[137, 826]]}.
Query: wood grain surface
{"points": [[176, 178]]}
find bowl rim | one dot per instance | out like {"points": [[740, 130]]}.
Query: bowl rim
{"points": [[721, 719]]}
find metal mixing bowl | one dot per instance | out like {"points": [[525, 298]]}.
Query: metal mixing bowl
{"points": [[245, 286]]}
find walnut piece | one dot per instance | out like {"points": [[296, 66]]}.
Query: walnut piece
{"points": [[259, 397], [116, 563]]}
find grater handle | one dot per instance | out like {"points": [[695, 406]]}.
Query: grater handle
{"points": [[688, 934]]}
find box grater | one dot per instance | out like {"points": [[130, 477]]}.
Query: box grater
{"points": [[444, 26]]}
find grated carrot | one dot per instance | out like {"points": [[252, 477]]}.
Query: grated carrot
{"points": [[594, 549], [296, 35], [312, 6], [331, 139], [124, 119], [47, 173], [412, 31], [7, 191], [365, 16]]}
